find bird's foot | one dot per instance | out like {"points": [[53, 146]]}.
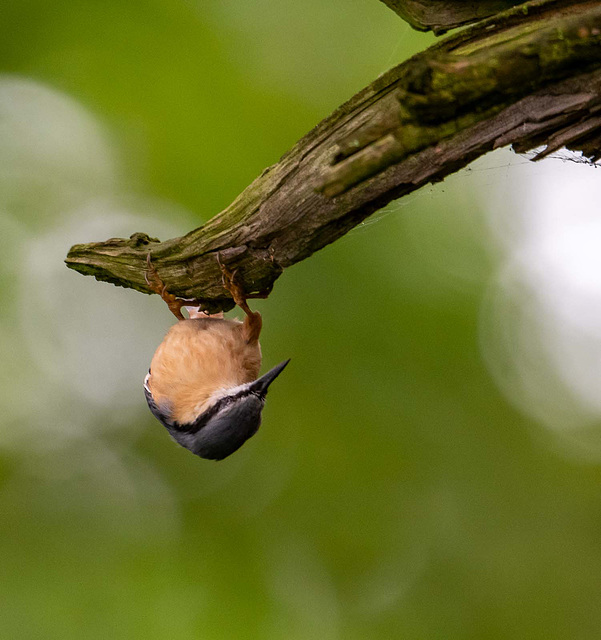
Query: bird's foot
{"points": [[253, 322], [234, 288], [153, 280]]}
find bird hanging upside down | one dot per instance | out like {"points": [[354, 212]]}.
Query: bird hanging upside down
{"points": [[202, 383]]}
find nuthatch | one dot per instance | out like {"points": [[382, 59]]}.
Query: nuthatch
{"points": [[202, 383]]}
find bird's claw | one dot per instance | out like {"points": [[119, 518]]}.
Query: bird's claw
{"points": [[154, 282], [230, 285], [252, 323]]}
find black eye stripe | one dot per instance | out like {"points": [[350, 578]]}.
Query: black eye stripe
{"points": [[222, 403], [204, 417]]}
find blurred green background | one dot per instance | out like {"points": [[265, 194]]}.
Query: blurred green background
{"points": [[429, 463]]}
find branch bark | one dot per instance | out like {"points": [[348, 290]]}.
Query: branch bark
{"points": [[522, 78]]}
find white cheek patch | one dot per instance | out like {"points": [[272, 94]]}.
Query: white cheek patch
{"points": [[216, 396], [232, 391]]}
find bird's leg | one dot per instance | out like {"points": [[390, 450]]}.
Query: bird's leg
{"points": [[253, 321], [153, 280]]}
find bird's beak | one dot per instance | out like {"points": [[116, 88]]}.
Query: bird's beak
{"points": [[261, 385]]}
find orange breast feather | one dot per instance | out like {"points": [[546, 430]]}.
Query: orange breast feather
{"points": [[198, 358]]}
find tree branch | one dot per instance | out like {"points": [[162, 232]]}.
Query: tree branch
{"points": [[442, 15], [522, 78]]}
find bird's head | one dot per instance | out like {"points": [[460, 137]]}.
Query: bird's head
{"points": [[232, 417]]}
